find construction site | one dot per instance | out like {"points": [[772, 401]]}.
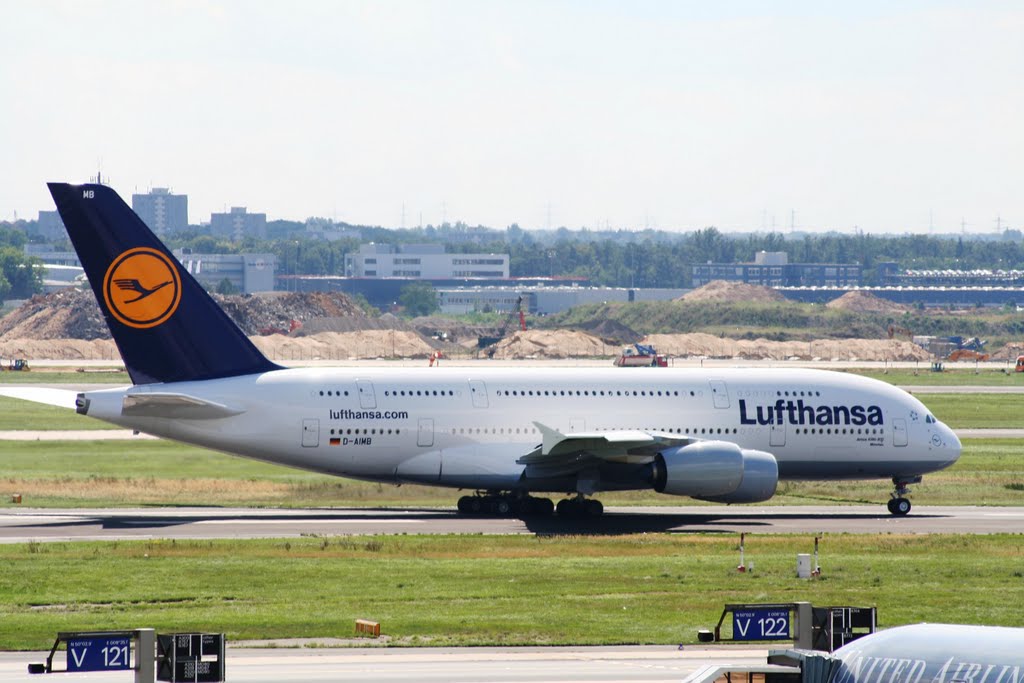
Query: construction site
{"points": [[67, 325]]}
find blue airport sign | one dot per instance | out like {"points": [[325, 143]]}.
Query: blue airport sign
{"points": [[761, 624], [99, 653]]}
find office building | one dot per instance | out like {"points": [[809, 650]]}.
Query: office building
{"points": [[773, 269], [238, 224], [163, 212], [423, 262], [247, 273]]}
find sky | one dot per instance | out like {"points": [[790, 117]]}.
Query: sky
{"points": [[677, 115]]}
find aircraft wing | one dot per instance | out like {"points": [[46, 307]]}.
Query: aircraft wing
{"points": [[560, 453]]}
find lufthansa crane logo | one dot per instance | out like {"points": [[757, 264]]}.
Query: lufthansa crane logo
{"points": [[142, 287]]}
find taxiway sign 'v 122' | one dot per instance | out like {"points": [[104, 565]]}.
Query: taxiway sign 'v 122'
{"points": [[724, 435]]}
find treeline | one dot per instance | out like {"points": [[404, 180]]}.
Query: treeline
{"points": [[622, 258], [20, 276], [652, 259]]}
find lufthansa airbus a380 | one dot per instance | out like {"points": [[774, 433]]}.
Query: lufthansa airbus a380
{"points": [[726, 436]]}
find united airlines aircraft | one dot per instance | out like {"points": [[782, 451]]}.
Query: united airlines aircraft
{"points": [[727, 436], [933, 653]]}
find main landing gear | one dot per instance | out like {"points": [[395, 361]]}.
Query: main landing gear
{"points": [[899, 505], [580, 507], [504, 505], [512, 505]]}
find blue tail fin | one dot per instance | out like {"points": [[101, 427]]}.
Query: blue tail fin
{"points": [[166, 326]]}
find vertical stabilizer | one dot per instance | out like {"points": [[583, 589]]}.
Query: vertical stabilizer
{"points": [[165, 324]]}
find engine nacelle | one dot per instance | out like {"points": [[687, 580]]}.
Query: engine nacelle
{"points": [[716, 471]]}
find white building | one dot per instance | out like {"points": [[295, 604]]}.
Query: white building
{"points": [[248, 273], [423, 261]]}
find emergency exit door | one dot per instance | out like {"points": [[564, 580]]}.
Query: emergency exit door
{"points": [[311, 432]]}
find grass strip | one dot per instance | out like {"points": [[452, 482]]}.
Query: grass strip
{"points": [[86, 376], [1002, 376], [147, 472], [977, 411], [492, 590]]}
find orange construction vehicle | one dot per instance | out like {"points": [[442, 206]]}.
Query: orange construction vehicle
{"points": [[968, 355]]}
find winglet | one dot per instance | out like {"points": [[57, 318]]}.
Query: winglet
{"points": [[552, 437]]}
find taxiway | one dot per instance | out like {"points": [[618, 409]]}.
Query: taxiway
{"points": [[458, 665], [41, 525]]}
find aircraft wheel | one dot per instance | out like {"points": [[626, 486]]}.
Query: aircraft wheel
{"points": [[536, 507], [543, 507], [503, 506], [465, 503], [593, 508], [900, 507], [476, 505], [568, 508], [528, 506]]}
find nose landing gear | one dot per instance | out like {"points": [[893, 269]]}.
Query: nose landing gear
{"points": [[899, 505]]}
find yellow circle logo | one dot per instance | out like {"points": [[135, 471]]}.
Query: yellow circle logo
{"points": [[142, 287]]}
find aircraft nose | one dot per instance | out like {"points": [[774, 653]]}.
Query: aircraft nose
{"points": [[950, 442]]}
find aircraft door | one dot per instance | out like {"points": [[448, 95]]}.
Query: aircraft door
{"points": [[478, 390], [899, 432], [367, 399], [310, 432], [425, 432], [778, 435], [720, 393]]}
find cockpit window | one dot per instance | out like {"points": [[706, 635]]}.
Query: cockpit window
{"points": [[929, 419]]}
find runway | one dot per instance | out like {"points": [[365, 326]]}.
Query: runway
{"points": [[47, 525], [649, 664]]}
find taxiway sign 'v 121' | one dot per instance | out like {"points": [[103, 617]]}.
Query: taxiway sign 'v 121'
{"points": [[726, 436]]}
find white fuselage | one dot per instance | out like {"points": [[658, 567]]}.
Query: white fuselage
{"points": [[466, 427]]}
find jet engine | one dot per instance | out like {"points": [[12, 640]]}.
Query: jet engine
{"points": [[716, 471]]}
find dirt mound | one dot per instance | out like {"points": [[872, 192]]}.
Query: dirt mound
{"points": [[65, 314], [345, 345], [612, 331], [552, 344], [454, 331], [59, 349], [73, 314], [258, 313], [1009, 351], [731, 292], [700, 344], [352, 323], [865, 302]]}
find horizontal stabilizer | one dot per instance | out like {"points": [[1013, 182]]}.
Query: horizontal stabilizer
{"points": [[62, 398], [173, 405]]}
